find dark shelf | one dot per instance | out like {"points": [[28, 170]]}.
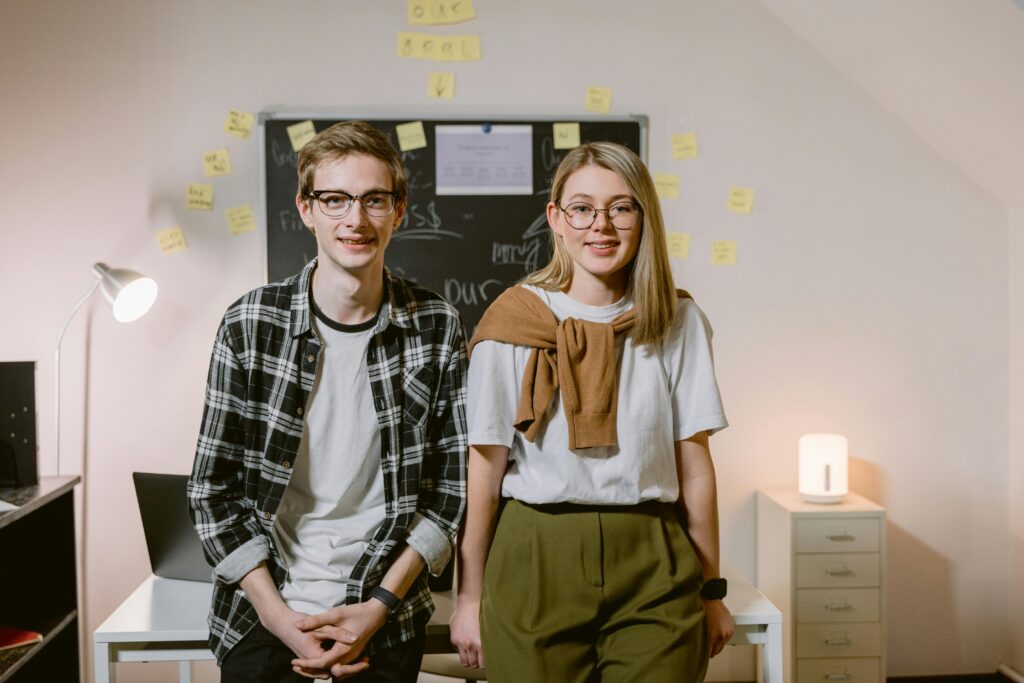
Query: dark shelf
{"points": [[11, 660]]}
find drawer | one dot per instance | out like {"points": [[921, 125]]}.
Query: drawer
{"points": [[845, 670], [837, 604], [837, 535], [839, 640], [836, 570]]}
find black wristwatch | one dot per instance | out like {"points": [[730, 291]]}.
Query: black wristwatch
{"points": [[714, 589], [390, 600]]}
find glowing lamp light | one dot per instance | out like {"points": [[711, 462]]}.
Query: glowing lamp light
{"points": [[824, 468]]}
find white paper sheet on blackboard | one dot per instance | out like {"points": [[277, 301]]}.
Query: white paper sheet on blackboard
{"points": [[472, 160]]}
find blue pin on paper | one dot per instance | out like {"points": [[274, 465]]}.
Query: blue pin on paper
{"points": [[486, 127]]}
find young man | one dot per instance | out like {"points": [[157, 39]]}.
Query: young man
{"points": [[330, 468]]}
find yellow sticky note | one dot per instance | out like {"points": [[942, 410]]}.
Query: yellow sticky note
{"points": [[567, 135], [440, 11], [172, 240], [301, 133], [240, 219], [441, 85], [217, 162], [667, 185], [469, 48], [678, 244], [598, 99], [199, 197], [411, 136], [741, 200], [723, 252], [684, 146], [406, 45], [239, 123]]}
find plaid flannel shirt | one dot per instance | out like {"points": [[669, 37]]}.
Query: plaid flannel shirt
{"points": [[264, 361]]}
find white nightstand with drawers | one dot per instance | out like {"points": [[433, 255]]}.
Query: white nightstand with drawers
{"points": [[823, 566]]}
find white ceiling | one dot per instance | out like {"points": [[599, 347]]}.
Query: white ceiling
{"points": [[953, 70]]}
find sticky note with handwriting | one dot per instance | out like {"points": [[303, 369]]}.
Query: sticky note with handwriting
{"points": [[598, 99], [438, 48], [741, 200], [435, 12], [678, 244], [411, 136], [172, 240], [667, 185], [684, 146], [567, 135], [723, 252], [240, 219], [239, 123], [217, 162], [199, 196], [441, 85], [301, 133]]}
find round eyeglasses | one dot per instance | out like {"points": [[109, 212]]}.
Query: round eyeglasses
{"points": [[582, 215], [337, 204]]}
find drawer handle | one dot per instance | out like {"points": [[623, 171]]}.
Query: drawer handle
{"points": [[838, 607], [838, 677], [838, 641], [839, 571], [839, 536]]}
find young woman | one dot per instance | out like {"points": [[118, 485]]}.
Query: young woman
{"points": [[591, 397]]}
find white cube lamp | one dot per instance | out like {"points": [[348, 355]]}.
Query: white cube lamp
{"points": [[823, 467]]}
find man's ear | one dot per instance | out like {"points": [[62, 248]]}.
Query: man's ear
{"points": [[303, 204], [399, 214]]}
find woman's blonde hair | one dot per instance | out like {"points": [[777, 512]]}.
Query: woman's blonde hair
{"points": [[649, 276]]}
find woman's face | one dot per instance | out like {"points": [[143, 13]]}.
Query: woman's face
{"points": [[602, 251]]}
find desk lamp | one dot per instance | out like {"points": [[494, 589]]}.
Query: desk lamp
{"points": [[130, 294], [823, 468]]}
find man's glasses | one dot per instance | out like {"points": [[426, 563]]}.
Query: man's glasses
{"points": [[622, 216], [337, 204]]}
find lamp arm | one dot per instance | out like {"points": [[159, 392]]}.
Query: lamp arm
{"points": [[56, 368]]}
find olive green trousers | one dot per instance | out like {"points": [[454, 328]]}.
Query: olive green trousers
{"points": [[579, 593]]}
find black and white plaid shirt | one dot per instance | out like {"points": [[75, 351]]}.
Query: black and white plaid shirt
{"points": [[264, 362]]}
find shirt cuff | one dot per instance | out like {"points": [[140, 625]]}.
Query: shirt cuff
{"points": [[430, 542], [715, 423], [242, 560]]}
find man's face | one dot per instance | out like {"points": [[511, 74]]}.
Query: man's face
{"points": [[354, 243]]}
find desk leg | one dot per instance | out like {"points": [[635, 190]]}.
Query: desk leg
{"points": [[185, 672], [103, 663], [773, 655]]}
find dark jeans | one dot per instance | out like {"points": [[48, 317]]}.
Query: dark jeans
{"points": [[261, 658]]}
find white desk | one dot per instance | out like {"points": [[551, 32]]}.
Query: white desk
{"points": [[165, 620]]}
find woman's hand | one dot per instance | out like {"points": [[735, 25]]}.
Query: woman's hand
{"points": [[720, 624], [465, 633]]}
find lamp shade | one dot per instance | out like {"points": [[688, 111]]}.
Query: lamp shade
{"points": [[823, 467], [129, 293]]}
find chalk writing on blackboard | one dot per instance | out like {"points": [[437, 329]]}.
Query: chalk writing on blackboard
{"points": [[472, 293]]}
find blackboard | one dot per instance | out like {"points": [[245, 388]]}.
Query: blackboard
{"points": [[468, 248]]}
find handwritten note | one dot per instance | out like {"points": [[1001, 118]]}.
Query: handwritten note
{"points": [[301, 133], [239, 123], [199, 197], [411, 136], [217, 162], [434, 12], [441, 85], [723, 252], [172, 240], [741, 200], [667, 185], [567, 135], [598, 100], [678, 244], [240, 219], [684, 146], [438, 48]]}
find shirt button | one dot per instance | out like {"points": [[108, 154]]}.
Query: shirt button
{"points": [[310, 358], [266, 515], [300, 410], [286, 464]]}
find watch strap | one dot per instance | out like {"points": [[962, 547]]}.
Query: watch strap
{"points": [[390, 600], [714, 589]]}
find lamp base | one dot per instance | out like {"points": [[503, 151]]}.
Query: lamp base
{"points": [[822, 498]]}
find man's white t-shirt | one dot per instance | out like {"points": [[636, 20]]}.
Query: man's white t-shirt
{"points": [[667, 393], [334, 501]]}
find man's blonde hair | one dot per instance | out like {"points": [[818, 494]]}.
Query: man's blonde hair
{"points": [[343, 139], [649, 276]]}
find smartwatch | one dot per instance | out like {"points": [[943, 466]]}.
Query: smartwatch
{"points": [[713, 589]]}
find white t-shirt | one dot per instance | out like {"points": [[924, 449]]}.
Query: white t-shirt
{"points": [[334, 501], [666, 393]]}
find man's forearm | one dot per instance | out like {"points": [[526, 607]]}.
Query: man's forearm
{"points": [[403, 572], [262, 592]]}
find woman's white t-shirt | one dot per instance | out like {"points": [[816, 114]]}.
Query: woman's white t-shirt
{"points": [[667, 393]]}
